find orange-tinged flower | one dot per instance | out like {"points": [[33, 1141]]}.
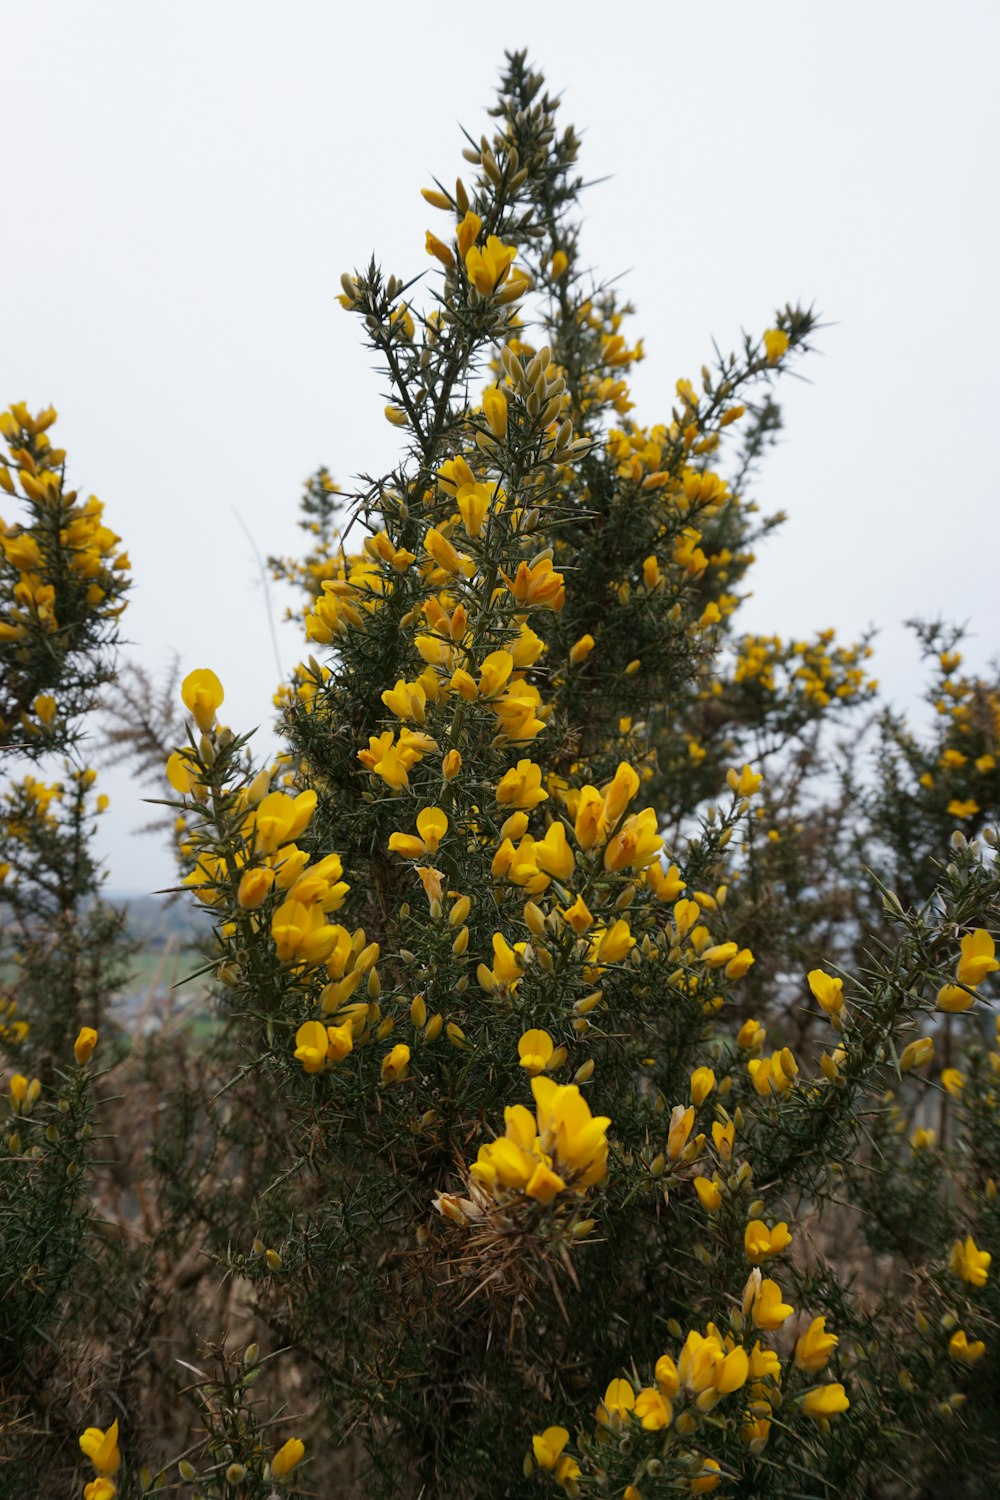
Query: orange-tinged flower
{"points": [[636, 844], [84, 1045], [288, 1456], [539, 585], [681, 1125]]}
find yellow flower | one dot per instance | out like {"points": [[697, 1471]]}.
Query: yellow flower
{"points": [[619, 1400], [395, 1064], [474, 505], [288, 1456], [952, 1080], [744, 783], [279, 819], [84, 1045], [620, 793], [202, 694], [708, 1193], [102, 1448], [576, 1140], [827, 990], [653, 1409], [738, 966], [467, 232], [775, 344], [611, 946], [761, 1243], [969, 1263], [579, 916], [769, 1312], [978, 957], [180, 772], [521, 786], [707, 1479], [300, 933], [539, 585], [702, 1084], [101, 1488], [544, 1184], [535, 1049], [719, 955], [959, 1348], [489, 268], [750, 1035], [253, 887], [439, 250], [495, 410], [916, 1054], [825, 1400], [814, 1347], [311, 1044], [547, 1446], [23, 1094], [954, 999], [636, 844], [681, 1124]]}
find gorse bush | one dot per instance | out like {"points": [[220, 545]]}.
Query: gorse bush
{"points": [[599, 1096]]}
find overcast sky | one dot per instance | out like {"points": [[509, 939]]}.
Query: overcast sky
{"points": [[185, 182]]}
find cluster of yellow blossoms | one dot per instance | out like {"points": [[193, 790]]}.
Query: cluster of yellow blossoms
{"points": [[561, 1148], [62, 575], [711, 1366]]}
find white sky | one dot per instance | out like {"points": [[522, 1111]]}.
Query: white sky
{"points": [[184, 183]]}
